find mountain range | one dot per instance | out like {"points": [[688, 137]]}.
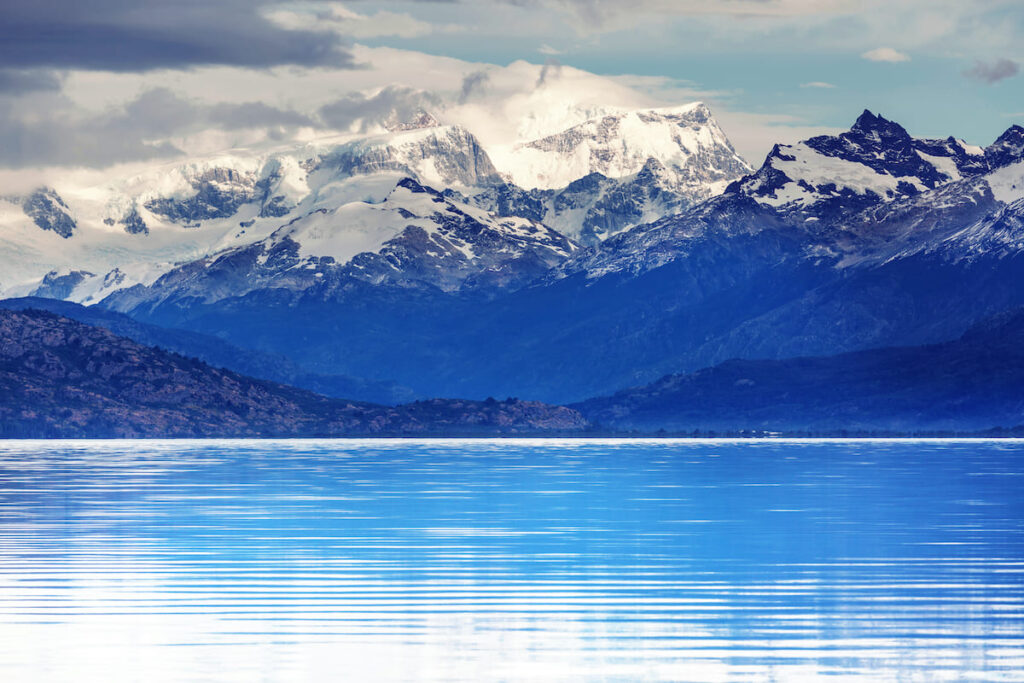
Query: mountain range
{"points": [[632, 248]]}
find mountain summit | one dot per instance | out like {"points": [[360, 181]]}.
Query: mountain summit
{"points": [[830, 176]]}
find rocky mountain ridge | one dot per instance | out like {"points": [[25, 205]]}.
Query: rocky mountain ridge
{"points": [[61, 378]]}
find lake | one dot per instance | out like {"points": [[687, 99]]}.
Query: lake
{"points": [[507, 560]]}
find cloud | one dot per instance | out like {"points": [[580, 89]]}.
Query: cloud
{"points": [[20, 81], [142, 35], [993, 72], [336, 17], [552, 69], [817, 84], [606, 14], [472, 84], [754, 134], [53, 133], [362, 112], [671, 91], [885, 54], [546, 49]]}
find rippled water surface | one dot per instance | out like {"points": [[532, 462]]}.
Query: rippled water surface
{"points": [[511, 560]]}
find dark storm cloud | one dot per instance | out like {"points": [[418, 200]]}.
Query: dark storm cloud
{"points": [[20, 81], [56, 137], [993, 72], [138, 35], [397, 102]]}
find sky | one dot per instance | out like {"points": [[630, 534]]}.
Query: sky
{"points": [[87, 85]]}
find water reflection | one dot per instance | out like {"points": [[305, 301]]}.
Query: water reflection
{"points": [[502, 560]]}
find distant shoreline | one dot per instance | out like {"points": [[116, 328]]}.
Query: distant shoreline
{"points": [[623, 438]]}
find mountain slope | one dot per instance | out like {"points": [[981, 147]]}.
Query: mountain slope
{"points": [[608, 174], [220, 354], [415, 238], [61, 378], [876, 160], [973, 383], [732, 277]]}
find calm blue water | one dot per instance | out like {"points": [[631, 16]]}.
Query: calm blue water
{"points": [[511, 560]]}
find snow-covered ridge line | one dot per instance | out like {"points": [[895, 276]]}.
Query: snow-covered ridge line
{"points": [[876, 160], [145, 223], [415, 238]]}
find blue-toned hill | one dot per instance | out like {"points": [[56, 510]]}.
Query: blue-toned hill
{"points": [[971, 384]]}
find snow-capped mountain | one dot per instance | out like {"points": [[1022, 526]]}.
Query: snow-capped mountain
{"points": [[697, 157], [144, 224], [620, 170], [414, 238], [860, 198], [875, 161]]}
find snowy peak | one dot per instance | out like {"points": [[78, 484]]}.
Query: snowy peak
{"points": [[447, 156], [686, 140], [877, 128], [886, 148], [875, 161], [1007, 149]]}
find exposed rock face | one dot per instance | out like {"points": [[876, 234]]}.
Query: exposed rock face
{"points": [[60, 286], [47, 210], [219, 194], [1007, 149], [593, 207], [445, 155], [133, 223], [61, 378]]}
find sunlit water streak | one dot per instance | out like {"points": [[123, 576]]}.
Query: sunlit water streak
{"points": [[494, 560]]}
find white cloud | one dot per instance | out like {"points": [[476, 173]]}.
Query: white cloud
{"points": [[817, 84], [670, 90], [885, 54], [546, 49], [754, 134], [503, 105], [334, 16]]}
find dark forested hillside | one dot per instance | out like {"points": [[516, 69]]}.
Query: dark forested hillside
{"points": [[62, 378], [973, 383]]}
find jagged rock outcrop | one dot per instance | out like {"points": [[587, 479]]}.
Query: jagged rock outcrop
{"points": [[47, 210]]}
